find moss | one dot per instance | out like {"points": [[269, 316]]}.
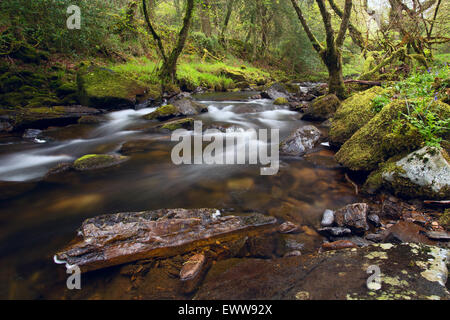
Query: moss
{"points": [[353, 114], [281, 101], [384, 136], [375, 180], [163, 112], [444, 219], [66, 89], [97, 161], [104, 88], [323, 108], [187, 123]]}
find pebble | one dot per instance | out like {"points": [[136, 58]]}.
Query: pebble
{"points": [[338, 245], [435, 235], [327, 218], [288, 227], [374, 219]]}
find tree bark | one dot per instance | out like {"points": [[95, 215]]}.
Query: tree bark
{"points": [[205, 17]]}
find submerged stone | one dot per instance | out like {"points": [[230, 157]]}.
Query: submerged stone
{"points": [[125, 237]]}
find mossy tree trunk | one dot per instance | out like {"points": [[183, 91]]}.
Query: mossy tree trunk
{"points": [[331, 54], [168, 70]]}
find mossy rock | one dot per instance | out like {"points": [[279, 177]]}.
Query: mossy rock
{"points": [[444, 219], [10, 82], [322, 108], [354, 113], [423, 174], [98, 161], [103, 88], [187, 123], [28, 54], [89, 120], [181, 107], [236, 76], [281, 101], [163, 113], [385, 135], [66, 89]]}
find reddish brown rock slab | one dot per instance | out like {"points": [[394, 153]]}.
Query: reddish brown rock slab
{"points": [[407, 232], [120, 238], [338, 245]]}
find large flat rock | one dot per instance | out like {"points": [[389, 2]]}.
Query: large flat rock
{"points": [[408, 271], [120, 238]]}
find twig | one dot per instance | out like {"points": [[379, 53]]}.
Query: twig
{"points": [[354, 184]]}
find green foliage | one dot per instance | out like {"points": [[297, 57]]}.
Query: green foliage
{"points": [[380, 101], [428, 122], [421, 90]]}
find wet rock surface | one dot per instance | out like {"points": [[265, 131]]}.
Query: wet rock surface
{"points": [[98, 161], [300, 141], [275, 91], [408, 272], [353, 216], [125, 237]]}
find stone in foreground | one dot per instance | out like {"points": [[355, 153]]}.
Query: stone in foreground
{"points": [[120, 238], [408, 272]]}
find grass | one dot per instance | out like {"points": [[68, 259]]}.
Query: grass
{"points": [[191, 71]]}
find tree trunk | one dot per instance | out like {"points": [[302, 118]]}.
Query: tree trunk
{"points": [[331, 54], [205, 17], [168, 71], [333, 62], [227, 20]]}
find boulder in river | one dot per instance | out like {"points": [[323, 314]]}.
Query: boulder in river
{"points": [[98, 161], [322, 108], [300, 141], [125, 237], [182, 107], [275, 91], [422, 174], [408, 272]]}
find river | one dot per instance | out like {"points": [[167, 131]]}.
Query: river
{"points": [[45, 216]]}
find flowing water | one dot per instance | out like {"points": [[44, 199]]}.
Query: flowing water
{"points": [[42, 217]]}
